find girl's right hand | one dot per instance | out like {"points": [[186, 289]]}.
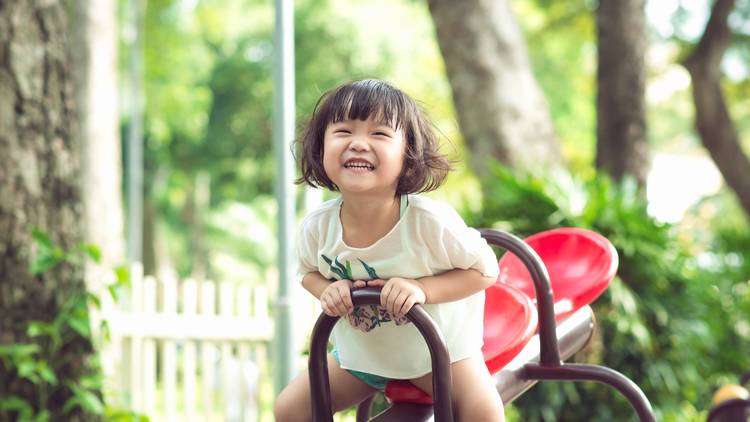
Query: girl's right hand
{"points": [[336, 299]]}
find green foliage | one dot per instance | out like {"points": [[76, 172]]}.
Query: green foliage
{"points": [[41, 361], [672, 323], [561, 42], [209, 88]]}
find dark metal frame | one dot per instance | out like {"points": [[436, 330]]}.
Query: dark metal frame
{"points": [[549, 367], [318, 364]]}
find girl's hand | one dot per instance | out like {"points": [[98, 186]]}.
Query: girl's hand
{"points": [[400, 294], [336, 299]]}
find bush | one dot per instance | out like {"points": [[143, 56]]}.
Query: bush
{"points": [[674, 320]]}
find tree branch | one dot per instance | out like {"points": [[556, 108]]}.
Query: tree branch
{"points": [[713, 122]]}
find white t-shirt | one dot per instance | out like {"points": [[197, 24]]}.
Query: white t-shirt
{"points": [[429, 238]]}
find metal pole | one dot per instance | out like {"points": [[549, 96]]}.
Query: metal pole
{"points": [[285, 351], [135, 132]]}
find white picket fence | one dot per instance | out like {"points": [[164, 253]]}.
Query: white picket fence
{"points": [[192, 351]]}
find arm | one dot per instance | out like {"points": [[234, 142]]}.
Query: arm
{"points": [[454, 285], [400, 294]]}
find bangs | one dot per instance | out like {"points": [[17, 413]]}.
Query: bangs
{"points": [[368, 99]]}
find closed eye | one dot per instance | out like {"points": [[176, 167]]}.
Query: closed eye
{"points": [[382, 134], [344, 131]]}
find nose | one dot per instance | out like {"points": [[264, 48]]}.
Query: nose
{"points": [[359, 143]]}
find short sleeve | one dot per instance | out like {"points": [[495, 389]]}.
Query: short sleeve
{"points": [[465, 248], [307, 249]]}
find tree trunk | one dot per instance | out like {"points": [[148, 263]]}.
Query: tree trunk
{"points": [[39, 188], [622, 147], [501, 110], [715, 127], [96, 86]]}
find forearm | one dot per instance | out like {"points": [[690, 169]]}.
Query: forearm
{"points": [[315, 283], [453, 285]]}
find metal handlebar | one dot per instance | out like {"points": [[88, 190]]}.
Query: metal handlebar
{"points": [[318, 363]]}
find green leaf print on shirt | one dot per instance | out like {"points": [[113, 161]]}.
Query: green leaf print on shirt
{"points": [[337, 268], [370, 271], [362, 318], [345, 270]]}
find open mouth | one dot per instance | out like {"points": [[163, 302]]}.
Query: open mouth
{"points": [[359, 165]]}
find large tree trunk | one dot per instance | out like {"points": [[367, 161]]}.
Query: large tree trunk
{"points": [[501, 110], [39, 188], [715, 127], [622, 147], [95, 33]]}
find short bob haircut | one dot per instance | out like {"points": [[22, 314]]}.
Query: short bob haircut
{"points": [[424, 168]]}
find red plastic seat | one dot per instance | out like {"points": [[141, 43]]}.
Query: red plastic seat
{"points": [[510, 320], [580, 263]]}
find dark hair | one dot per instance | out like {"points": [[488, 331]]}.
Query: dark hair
{"points": [[424, 168]]}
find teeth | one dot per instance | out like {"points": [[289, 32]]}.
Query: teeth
{"points": [[359, 165]]}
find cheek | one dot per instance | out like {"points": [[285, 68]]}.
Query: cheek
{"points": [[330, 160]]}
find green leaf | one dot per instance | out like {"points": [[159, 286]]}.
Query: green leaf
{"points": [[114, 291], [85, 399], [41, 238], [46, 373], [370, 271], [94, 300], [27, 369], [42, 416], [122, 275], [104, 331], [39, 328], [44, 262], [19, 350], [349, 270], [334, 268], [80, 325], [341, 269], [93, 252], [327, 259], [16, 404]]}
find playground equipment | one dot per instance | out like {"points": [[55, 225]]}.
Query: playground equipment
{"points": [[731, 402], [522, 345]]}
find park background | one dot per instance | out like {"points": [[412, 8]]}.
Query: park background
{"points": [[558, 114]]}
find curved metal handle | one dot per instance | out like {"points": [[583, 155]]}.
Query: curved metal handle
{"points": [[549, 352], [318, 363]]}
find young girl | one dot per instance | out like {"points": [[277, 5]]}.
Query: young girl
{"points": [[371, 142]]}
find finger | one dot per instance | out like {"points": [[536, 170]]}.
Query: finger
{"points": [[359, 284], [399, 302], [375, 283], [340, 302], [407, 305], [392, 300], [387, 288], [346, 296], [327, 307]]}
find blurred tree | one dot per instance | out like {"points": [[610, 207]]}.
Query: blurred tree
{"points": [[208, 111], [39, 187], [96, 89], [501, 110], [622, 147], [713, 122]]}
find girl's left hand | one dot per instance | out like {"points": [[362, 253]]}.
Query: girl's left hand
{"points": [[400, 294]]}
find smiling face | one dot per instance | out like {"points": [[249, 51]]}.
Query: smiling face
{"points": [[363, 156]]}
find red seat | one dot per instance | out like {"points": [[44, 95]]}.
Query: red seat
{"points": [[580, 263], [510, 320]]}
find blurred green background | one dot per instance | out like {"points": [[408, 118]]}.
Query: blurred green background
{"points": [[676, 319]]}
